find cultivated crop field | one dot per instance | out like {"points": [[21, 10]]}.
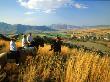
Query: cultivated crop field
{"points": [[69, 66]]}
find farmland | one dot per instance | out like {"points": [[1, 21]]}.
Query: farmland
{"points": [[55, 41], [94, 38], [71, 65]]}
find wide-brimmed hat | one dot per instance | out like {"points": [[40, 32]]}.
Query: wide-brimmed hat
{"points": [[24, 35], [12, 38]]}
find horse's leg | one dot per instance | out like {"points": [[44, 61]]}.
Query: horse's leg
{"points": [[17, 57], [37, 48], [52, 47], [34, 51]]}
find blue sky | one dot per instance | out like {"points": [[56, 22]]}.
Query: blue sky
{"points": [[47, 12]]}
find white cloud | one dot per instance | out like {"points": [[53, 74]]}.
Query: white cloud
{"points": [[48, 11], [48, 6], [29, 13], [77, 5], [44, 5]]}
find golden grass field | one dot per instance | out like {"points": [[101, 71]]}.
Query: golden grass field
{"points": [[69, 66]]}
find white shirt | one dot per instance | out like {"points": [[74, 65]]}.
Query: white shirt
{"points": [[24, 42], [29, 38], [13, 46]]}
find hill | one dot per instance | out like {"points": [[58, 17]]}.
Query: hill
{"points": [[64, 26], [19, 28]]}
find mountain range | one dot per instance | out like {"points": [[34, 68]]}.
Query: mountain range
{"points": [[20, 28], [64, 26]]}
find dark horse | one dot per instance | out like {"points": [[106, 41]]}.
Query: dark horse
{"points": [[37, 42], [56, 46]]}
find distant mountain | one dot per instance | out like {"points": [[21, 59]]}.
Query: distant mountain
{"points": [[98, 26], [7, 28], [69, 27], [64, 26], [19, 28], [26, 28]]}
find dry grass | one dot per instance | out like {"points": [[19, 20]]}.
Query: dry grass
{"points": [[5, 44], [69, 66]]}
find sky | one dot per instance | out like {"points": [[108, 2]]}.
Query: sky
{"points": [[47, 12]]}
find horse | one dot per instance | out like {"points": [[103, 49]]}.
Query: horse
{"points": [[56, 46], [37, 42]]}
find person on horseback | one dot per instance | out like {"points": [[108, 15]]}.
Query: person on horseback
{"points": [[14, 54], [24, 42], [29, 39]]}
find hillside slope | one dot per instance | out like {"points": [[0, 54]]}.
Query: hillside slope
{"points": [[19, 28]]}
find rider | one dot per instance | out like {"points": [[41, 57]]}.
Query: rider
{"points": [[24, 42], [13, 50], [29, 39]]}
